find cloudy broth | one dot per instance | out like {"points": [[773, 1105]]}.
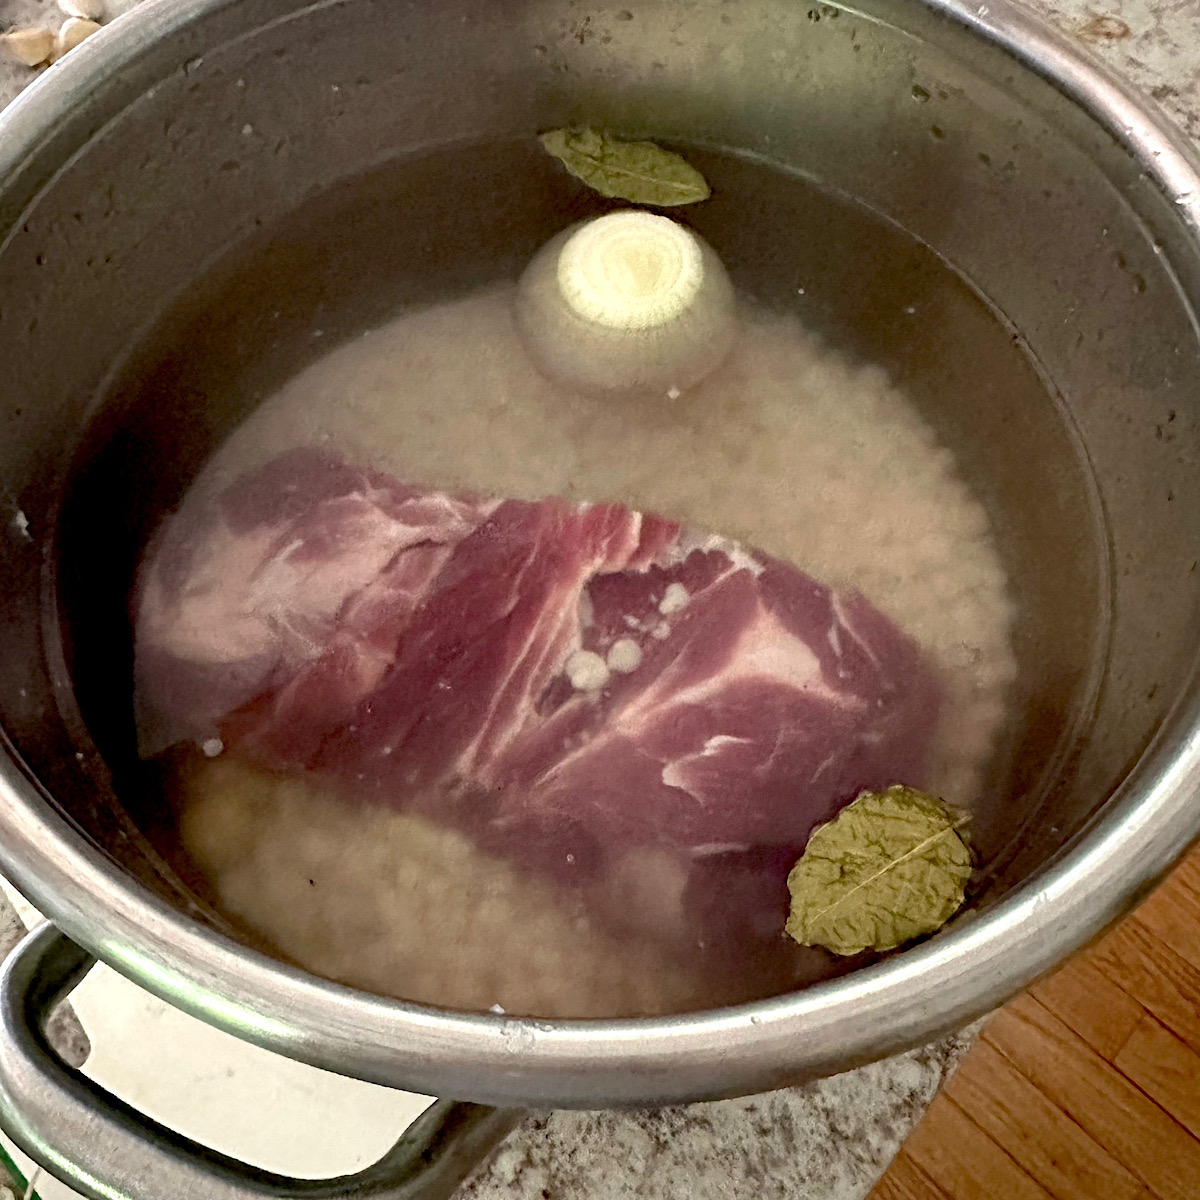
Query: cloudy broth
{"points": [[842, 436]]}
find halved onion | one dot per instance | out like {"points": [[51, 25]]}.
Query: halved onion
{"points": [[629, 302]]}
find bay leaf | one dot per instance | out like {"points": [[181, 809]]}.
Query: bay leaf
{"points": [[641, 172], [890, 867]]}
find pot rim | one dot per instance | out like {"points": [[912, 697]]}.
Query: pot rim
{"points": [[925, 992]]}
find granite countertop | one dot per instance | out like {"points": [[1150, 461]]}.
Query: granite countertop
{"points": [[832, 1139]]}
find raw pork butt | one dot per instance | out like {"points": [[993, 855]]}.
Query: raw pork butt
{"points": [[578, 686]]}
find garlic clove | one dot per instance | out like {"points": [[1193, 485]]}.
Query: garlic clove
{"points": [[30, 47], [74, 31], [86, 10]]}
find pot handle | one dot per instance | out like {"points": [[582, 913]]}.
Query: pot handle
{"points": [[103, 1148]]}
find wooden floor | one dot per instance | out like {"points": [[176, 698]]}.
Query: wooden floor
{"points": [[1087, 1087]]}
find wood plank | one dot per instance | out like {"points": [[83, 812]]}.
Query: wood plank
{"points": [[1173, 913], [1146, 968], [1188, 871], [1081, 996], [1089, 1089], [963, 1161], [1166, 1069], [1037, 1134], [906, 1181], [1111, 1109]]}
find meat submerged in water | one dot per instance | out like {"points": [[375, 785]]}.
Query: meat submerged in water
{"points": [[577, 686]]}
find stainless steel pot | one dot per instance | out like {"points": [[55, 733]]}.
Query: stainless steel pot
{"points": [[172, 136]]}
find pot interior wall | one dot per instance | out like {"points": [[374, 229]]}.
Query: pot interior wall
{"points": [[312, 173]]}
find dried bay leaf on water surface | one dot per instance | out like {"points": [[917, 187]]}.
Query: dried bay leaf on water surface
{"points": [[888, 868], [640, 172]]}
